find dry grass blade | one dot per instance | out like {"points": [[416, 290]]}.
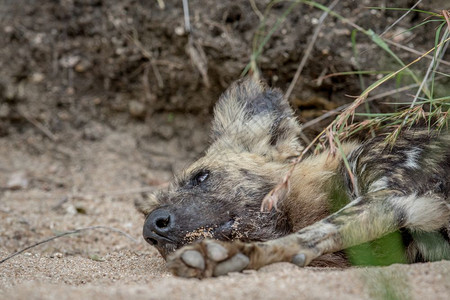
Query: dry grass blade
{"points": [[401, 18], [256, 10], [406, 48], [309, 49], [336, 111], [351, 109], [446, 15], [39, 126], [198, 58], [330, 133], [439, 52], [65, 234]]}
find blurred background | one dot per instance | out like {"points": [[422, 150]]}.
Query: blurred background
{"points": [[80, 68], [102, 101]]}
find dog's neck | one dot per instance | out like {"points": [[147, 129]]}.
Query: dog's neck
{"points": [[314, 183]]}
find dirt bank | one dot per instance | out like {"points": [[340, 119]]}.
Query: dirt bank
{"points": [[102, 101]]}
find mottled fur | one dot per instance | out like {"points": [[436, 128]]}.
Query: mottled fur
{"points": [[254, 137]]}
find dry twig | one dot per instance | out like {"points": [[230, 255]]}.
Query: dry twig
{"points": [[39, 126], [68, 233]]}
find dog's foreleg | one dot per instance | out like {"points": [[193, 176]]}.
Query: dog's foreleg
{"points": [[364, 219]]}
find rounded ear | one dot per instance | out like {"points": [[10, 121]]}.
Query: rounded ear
{"points": [[146, 203], [253, 117]]}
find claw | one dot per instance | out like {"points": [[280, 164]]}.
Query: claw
{"points": [[235, 264]]}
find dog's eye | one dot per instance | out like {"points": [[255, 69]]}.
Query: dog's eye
{"points": [[200, 177]]}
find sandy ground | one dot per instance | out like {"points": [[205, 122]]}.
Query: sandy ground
{"points": [[95, 183]]}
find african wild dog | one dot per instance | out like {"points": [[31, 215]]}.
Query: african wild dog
{"points": [[254, 138]]}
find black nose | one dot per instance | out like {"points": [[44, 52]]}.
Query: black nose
{"points": [[158, 227]]}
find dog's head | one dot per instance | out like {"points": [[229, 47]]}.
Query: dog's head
{"points": [[254, 136]]}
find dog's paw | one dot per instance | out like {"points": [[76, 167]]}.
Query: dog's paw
{"points": [[208, 258]]}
